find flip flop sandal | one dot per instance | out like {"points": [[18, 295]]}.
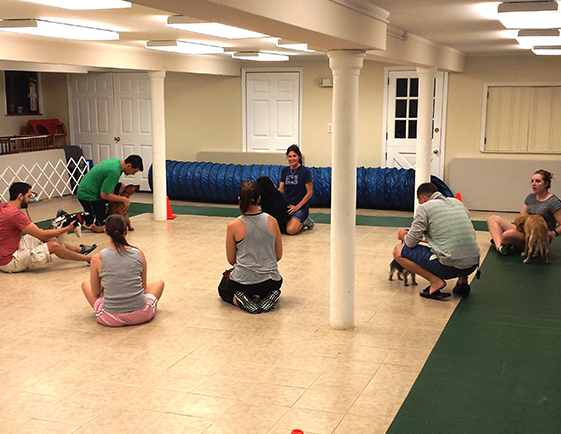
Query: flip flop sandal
{"points": [[438, 295]]}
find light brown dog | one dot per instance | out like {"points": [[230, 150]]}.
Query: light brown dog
{"points": [[119, 207], [536, 237], [519, 222]]}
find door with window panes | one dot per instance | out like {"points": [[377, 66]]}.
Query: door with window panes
{"points": [[402, 120]]}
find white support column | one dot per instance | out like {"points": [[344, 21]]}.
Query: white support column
{"points": [[424, 127], [158, 144], [346, 66]]}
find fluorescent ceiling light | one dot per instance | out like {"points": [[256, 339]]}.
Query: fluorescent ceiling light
{"points": [[540, 37], [530, 15], [211, 29], [184, 47], [78, 5], [547, 51], [57, 30], [296, 46], [258, 56]]}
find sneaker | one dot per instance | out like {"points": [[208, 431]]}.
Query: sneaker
{"points": [[461, 289], [504, 250], [269, 302], [308, 224], [86, 250], [245, 303]]}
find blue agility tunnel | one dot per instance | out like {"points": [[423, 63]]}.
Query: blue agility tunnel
{"points": [[377, 188]]}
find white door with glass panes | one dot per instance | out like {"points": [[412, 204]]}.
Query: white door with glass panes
{"points": [[402, 90], [111, 118], [272, 111]]}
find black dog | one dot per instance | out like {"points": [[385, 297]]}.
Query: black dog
{"points": [[273, 202]]}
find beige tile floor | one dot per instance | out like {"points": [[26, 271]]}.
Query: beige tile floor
{"points": [[204, 366]]}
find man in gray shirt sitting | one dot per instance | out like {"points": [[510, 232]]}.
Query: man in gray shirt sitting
{"points": [[453, 251]]}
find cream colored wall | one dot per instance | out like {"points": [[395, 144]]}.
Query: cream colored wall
{"points": [[204, 113], [317, 113], [465, 100], [55, 104]]}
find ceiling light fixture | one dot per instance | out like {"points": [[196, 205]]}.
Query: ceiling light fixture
{"points": [[539, 37], [296, 46], [258, 56], [211, 29], [183, 47], [53, 29], [554, 50], [83, 5], [530, 15]]}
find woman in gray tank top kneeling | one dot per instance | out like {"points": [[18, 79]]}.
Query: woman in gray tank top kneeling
{"points": [[253, 247], [118, 290]]}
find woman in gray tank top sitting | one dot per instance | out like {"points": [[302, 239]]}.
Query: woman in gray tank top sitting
{"points": [[253, 247], [118, 290], [504, 234]]}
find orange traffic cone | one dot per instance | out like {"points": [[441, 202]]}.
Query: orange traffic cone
{"points": [[459, 196], [171, 216]]}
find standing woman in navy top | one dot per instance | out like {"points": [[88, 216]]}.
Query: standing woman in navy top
{"points": [[296, 186]]}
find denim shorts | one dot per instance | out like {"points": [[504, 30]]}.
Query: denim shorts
{"points": [[302, 214], [427, 259]]}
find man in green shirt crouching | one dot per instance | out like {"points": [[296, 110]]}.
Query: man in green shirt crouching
{"points": [[96, 187]]}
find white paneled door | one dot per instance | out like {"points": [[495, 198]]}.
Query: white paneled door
{"points": [[402, 117], [272, 111], [112, 119]]}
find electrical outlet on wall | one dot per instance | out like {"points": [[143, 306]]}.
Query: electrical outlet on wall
{"points": [[329, 128]]}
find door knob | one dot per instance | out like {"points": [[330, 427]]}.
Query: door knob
{"points": [[437, 130], [435, 151], [117, 139]]}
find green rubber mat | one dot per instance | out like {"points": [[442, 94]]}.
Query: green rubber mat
{"points": [[361, 220], [497, 365], [324, 218]]}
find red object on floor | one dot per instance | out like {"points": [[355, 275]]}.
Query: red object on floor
{"points": [[297, 431], [171, 216], [459, 196]]}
